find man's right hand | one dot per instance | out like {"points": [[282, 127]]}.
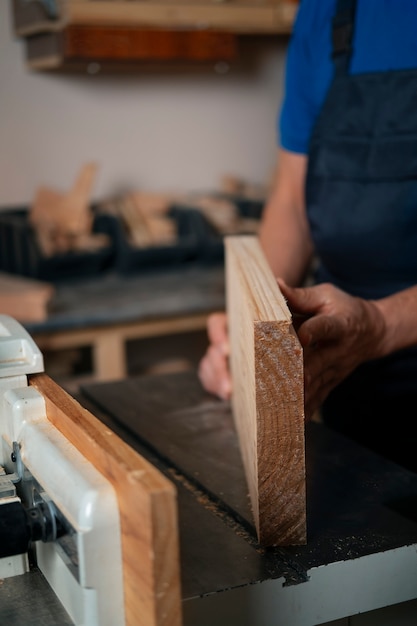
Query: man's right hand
{"points": [[214, 370]]}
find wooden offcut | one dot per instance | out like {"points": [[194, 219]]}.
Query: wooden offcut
{"points": [[268, 406], [147, 508], [64, 221], [25, 299]]}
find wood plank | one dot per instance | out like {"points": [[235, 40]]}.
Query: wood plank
{"points": [[262, 16], [236, 17], [267, 372], [147, 505], [25, 299], [62, 220]]}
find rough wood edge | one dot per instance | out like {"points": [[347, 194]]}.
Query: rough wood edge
{"points": [[267, 401], [147, 506]]}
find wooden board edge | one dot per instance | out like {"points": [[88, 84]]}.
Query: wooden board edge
{"points": [[282, 495], [278, 496], [147, 506]]}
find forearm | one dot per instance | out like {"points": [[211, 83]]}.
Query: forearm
{"points": [[399, 312], [284, 233]]}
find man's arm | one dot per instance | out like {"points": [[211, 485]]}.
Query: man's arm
{"points": [[284, 232]]}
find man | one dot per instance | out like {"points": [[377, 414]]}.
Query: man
{"points": [[346, 195]]}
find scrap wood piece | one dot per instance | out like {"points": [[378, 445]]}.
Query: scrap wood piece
{"points": [[153, 209], [60, 219], [146, 218], [268, 404], [25, 299], [147, 507], [220, 212]]}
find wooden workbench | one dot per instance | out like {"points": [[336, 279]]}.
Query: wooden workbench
{"points": [[361, 518], [106, 312]]}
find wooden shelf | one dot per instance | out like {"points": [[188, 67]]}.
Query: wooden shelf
{"points": [[125, 35], [233, 16]]}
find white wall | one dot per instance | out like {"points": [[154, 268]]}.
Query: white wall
{"points": [[168, 131]]}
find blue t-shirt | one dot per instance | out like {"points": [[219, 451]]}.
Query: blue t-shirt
{"points": [[385, 37]]}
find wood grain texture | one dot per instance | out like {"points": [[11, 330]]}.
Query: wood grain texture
{"points": [[268, 403], [147, 506]]}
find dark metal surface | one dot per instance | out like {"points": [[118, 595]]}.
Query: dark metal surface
{"points": [[357, 502], [28, 600]]}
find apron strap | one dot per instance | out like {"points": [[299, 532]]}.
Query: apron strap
{"points": [[342, 34]]}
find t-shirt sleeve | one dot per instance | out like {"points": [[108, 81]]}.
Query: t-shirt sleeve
{"points": [[308, 73]]}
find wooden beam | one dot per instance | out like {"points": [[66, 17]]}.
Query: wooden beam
{"points": [[147, 507], [268, 407], [237, 16]]}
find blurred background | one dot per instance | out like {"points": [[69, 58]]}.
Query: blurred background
{"points": [[165, 129]]}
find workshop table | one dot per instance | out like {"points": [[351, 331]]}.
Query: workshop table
{"points": [[107, 311]]}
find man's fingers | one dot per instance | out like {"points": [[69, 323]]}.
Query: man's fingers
{"points": [[217, 332], [214, 373], [301, 300], [321, 328]]}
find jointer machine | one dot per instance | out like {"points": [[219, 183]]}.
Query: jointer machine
{"points": [[129, 505]]}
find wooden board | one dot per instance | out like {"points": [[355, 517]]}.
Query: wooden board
{"points": [[267, 371], [25, 299], [256, 16], [147, 506]]}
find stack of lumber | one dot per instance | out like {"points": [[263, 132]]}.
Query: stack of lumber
{"points": [[63, 221], [25, 299]]}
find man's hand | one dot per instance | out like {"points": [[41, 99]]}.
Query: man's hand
{"points": [[214, 370], [337, 331]]}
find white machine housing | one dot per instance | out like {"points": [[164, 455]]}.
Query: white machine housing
{"points": [[83, 566]]}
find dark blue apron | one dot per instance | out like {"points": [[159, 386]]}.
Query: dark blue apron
{"points": [[361, 196]]}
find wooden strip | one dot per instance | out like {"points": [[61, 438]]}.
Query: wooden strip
{"points": [[147, 506], [267, 371]]}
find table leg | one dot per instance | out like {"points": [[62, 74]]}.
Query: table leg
{"points": [[109, 356]]}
